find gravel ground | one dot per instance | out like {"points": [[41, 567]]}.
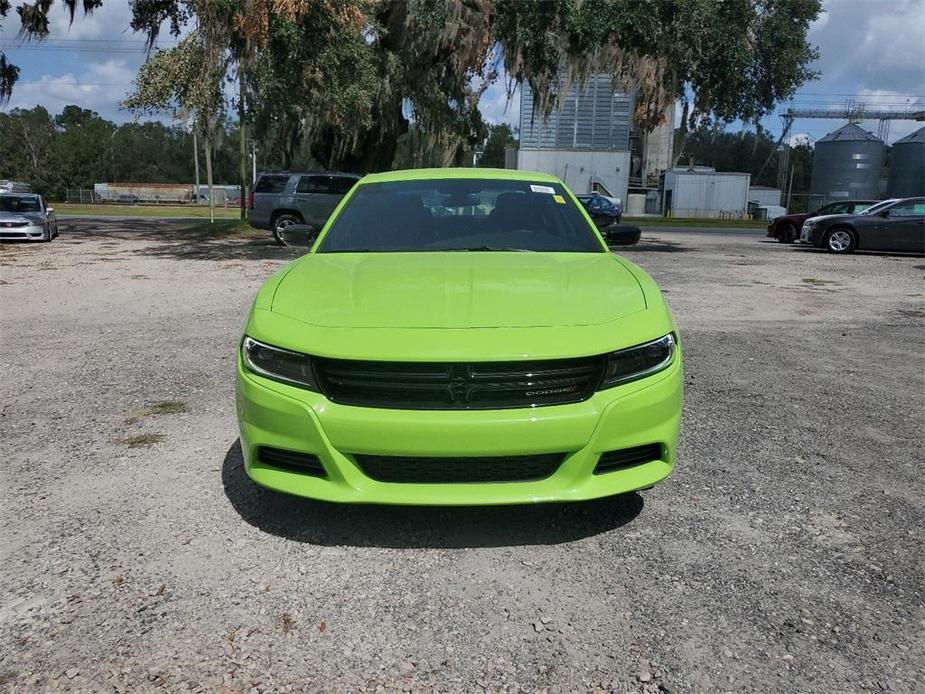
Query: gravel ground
{"points": [[785, 554]]}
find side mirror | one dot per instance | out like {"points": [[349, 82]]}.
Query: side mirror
{"points": [[49, 210], [299, 235], [621, 234]]}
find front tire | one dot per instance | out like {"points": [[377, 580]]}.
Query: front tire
{"points": [[787, 234], [284, 220], [840, 240]]}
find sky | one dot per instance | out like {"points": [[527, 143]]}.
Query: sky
{"points": [[872, 51]]}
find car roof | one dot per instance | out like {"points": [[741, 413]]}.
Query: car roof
{"points": [[308, 173], [460, 172], [20, 195]]}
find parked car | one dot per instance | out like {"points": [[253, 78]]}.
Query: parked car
{"points": [[786, 229], [602, 209], [282, 199], [25, 217], [497, 354], [895, 225]]}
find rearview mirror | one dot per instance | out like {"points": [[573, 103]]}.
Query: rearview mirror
{"points": [[299, 235], [621, 234]]}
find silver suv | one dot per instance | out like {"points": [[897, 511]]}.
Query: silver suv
{"points": [[282, 199]]}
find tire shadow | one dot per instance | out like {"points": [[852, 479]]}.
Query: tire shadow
{"points": [[322, 523]]}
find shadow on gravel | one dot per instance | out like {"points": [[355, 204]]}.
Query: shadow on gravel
{"points": [[320, 523], [175, 240], [652, 245]]}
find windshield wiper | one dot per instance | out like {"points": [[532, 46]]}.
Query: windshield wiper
{"points": [[491, 249]]}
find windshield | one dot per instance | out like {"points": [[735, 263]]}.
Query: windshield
{"points": [[460, 215], [16, 203], [873, 209]]}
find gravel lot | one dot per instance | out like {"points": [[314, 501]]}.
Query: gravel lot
{"points": [[785, 554]]}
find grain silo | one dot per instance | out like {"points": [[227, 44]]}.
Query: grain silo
{"points": [[907, 166], [847, 164]]}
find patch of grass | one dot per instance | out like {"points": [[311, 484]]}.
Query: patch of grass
{"points": [[63, 209], [160, 407], [143, 440], [224, 227], [695, 222]]}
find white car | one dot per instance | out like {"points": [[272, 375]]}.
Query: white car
{"points": [[24, 217]]}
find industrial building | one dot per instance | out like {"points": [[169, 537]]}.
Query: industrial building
{"points": [[590, 142], [847, 165], [907, 166], [701, 191]]}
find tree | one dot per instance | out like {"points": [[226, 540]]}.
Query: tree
{"points": [[500, 138], [351, 77]]}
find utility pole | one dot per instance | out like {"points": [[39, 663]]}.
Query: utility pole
{"points": [[790, 187], [243, 156], [196, 165], [209, 176]]}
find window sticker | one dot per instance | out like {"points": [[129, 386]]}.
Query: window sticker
{"points": [[559, 199], [549, 190]]}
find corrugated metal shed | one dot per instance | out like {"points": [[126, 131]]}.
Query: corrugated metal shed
{"points": [[692, 193], [594, 116], [907, 166]]}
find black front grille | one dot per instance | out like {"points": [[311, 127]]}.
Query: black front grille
{"points": [[423, 470], [459, 386], [612, 461], [293, 461]]}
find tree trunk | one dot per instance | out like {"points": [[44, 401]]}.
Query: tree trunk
{"points": [[209, 175]]}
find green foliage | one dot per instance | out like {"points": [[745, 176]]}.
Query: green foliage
{"points": [[348, 79], [500, 137], [78, 148], [745, 151]]}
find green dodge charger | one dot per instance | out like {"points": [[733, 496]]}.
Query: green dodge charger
{"points": [[459, 336]]}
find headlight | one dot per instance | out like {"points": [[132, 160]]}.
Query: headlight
{"points": [[278, 364], [638, 362]]}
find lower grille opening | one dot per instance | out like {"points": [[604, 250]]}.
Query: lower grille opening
{"points": [[293, 461], [612, 461], [434, 470]]}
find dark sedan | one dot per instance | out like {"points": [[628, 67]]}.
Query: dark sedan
{"points": [[786, 229], [895, 226]]}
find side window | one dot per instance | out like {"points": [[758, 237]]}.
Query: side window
{"points": [[859, 207], [314, 184], [910, 209], [341, 185], [271, 184]]}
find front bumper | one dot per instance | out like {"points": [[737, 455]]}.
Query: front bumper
{"points": [[32, 232], [643, 412]]}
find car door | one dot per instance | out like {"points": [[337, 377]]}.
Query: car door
{"points": [[905, 226], [318, 194]]}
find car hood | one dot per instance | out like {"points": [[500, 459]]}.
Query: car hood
{"points": [[830, 218], [457, 290]]}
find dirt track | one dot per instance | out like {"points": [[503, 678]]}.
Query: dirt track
{"points": [[785, 554]]}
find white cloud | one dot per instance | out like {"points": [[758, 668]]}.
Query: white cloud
{"points": [[107, 22], [100, 86], [496, 108]]}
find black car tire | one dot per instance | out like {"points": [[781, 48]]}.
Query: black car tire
{"points": [[786, 234], [284, 220], [840, 240]]}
